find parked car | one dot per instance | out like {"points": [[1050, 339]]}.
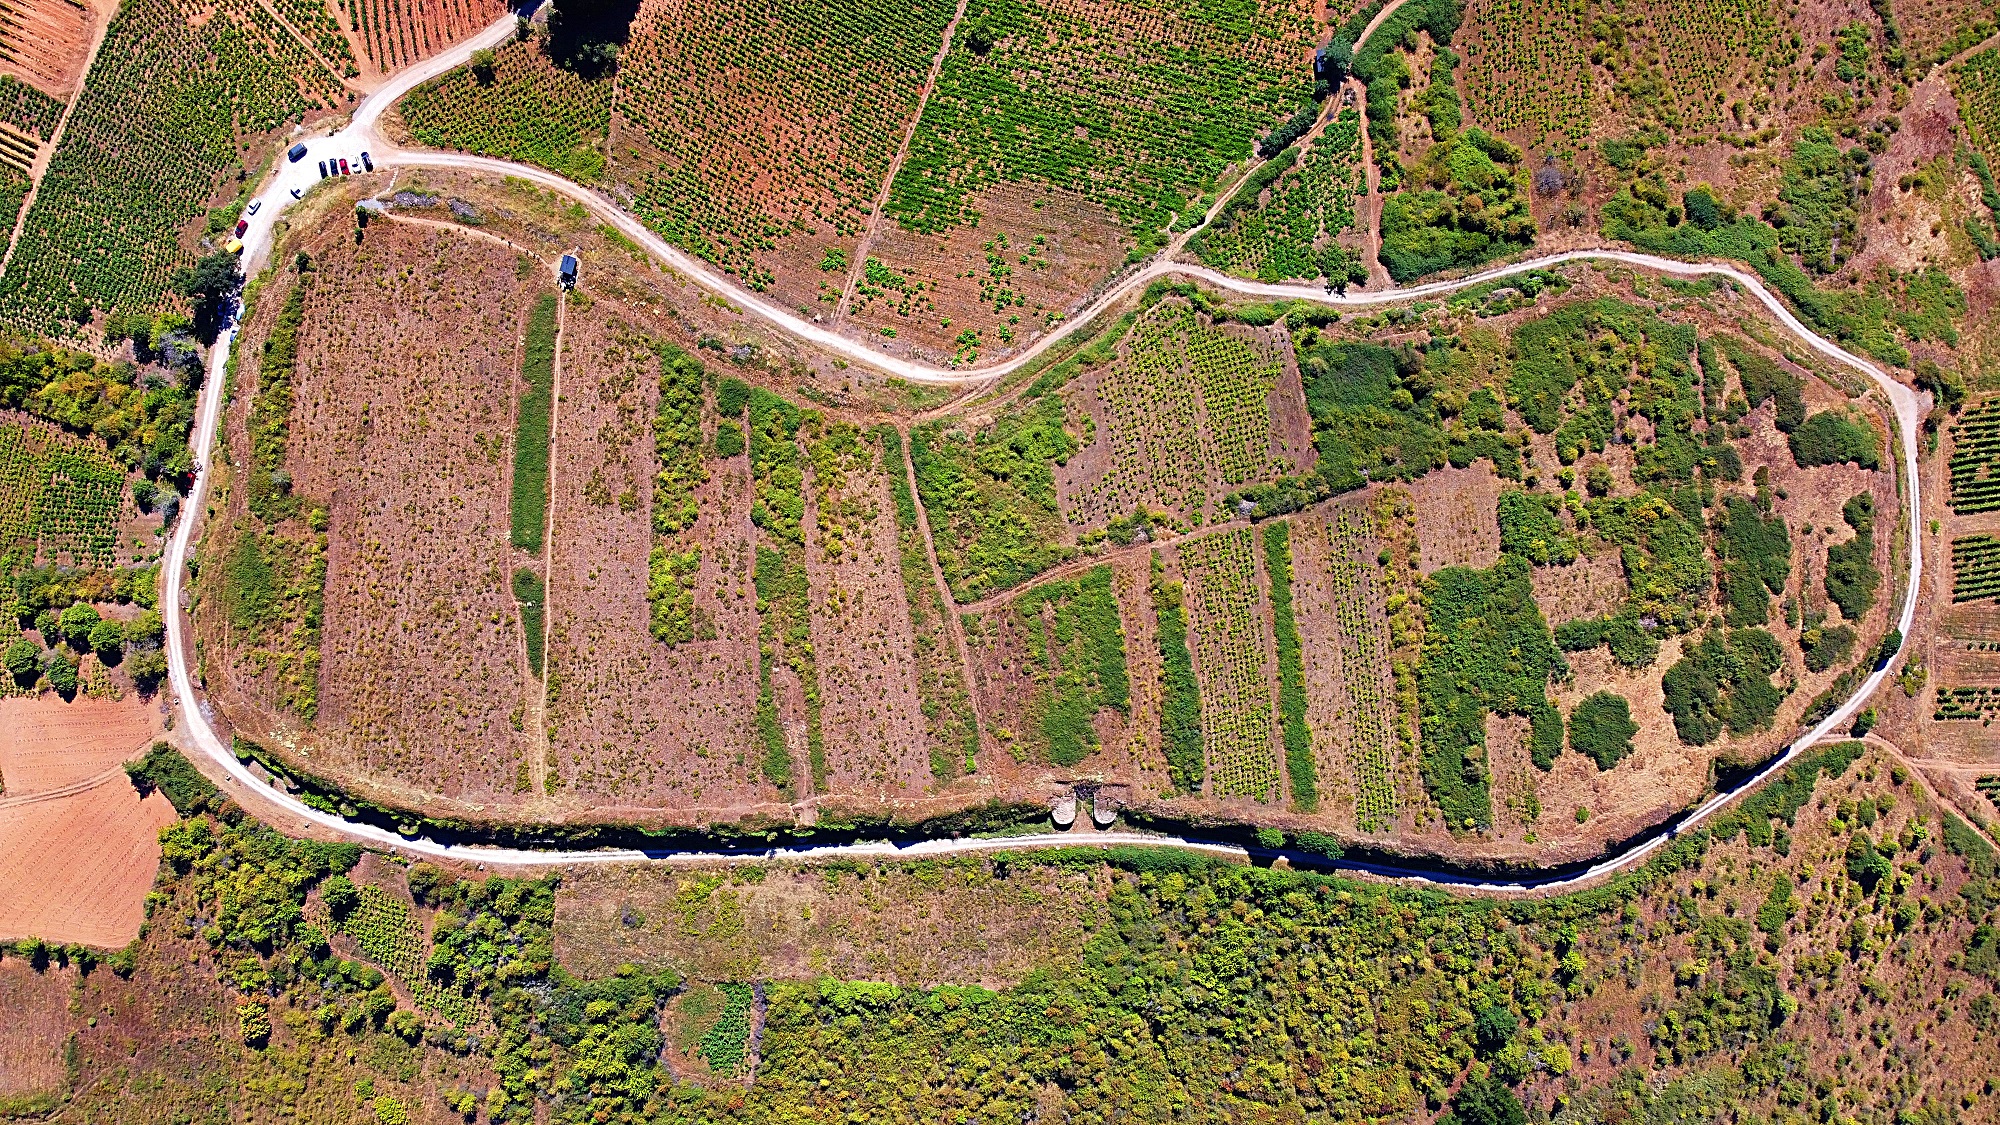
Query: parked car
{"points": [[343, 167], [235, 246], [367, 162], [254, 205], [295, 193], [241, 226], [297, 153], [322, 169]]}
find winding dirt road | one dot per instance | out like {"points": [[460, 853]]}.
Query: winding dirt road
{"points": [[363, 133]]}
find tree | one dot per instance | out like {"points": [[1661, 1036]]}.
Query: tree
{"points": [[210, 285], [1495, 1027], [61, 671], [107, 640], [22, 658], [585, 35], [340, 895], [147, 667], [77, 621], [1865, 865], [482, 65], [1486, 1101]]}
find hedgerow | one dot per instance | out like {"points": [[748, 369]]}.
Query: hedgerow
{"points": [[1299, 764], [1180, 692], [784, 625], [531, 596], [530, 502]]}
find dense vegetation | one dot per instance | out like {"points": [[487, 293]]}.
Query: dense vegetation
{"points": [[682, 468], [784, 625], [1487, 650], [1851, 577], [1833, 437], [1310, 202], [1601, 729], [1464, 204], [991, 496], [532, 419], [1076, 653], [1753, 555], [1180, 692], [1722, 682]]}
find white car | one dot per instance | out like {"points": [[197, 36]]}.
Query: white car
{"points": [[254, 205]]}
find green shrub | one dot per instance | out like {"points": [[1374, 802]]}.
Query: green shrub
{"points": [[1851, 577], [1299, 764], [1723, 682], [163, 768], [530, 593], [1834, 437], [1601, 729], [1754, 561], [1180, 692], [1077, 659]]}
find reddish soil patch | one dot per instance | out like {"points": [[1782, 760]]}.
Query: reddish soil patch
{"points": [[862, 637], [47, 744], [1035, 256], [633, 722], [46, 42], [31, 1037], [77, 868], [402, 425]]}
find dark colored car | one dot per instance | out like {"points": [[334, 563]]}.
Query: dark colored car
{"points": [[297, 153], [322, 169], [367, 162], [343, 167]]}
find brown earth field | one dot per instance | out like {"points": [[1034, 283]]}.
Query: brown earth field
{"points": [[634, 730], [1034, 256], [31, 1037], [47, 41], [78, 846]]}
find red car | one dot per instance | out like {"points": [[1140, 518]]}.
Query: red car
{"points": [[241, 226], [343, 167]]}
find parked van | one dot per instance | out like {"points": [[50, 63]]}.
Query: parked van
{"points": [[235, 246], [297, 153]]}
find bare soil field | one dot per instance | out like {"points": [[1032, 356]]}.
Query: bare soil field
{"points": [[402, 423], [635, 723], [1592, 586], [1456, 525], [46, 42], [1034, 257], [48, 744], [915, 926], [873, 720], [76, 868], [31, 1037]]}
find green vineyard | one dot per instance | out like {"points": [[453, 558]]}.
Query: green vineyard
{"points": [[1976, 81], [1292, 235], [1975, 568], [528, 110], [1177, 373], [391, 937], [1981, 703], [1225, 614], [58, 496], [1153, 101], [1975, 460], [154, 133], [1525, 67], [1368, 731], [27, 108]]}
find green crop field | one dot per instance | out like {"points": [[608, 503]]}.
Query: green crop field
{"points": [[761, 123], [156, 129], [1137, 107], [530, 110], [27, 108], [1226, 614], [1367, 733], [1527, 67], [1981, 703], [1975, 459], [1975, 568]]}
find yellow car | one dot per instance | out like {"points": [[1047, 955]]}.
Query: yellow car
{"points": [[235, 246]]}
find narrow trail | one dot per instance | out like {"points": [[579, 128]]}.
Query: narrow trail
{"points": [[200, 736]]}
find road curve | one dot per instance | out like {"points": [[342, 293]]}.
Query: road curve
{"points": [[363, 132]]}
